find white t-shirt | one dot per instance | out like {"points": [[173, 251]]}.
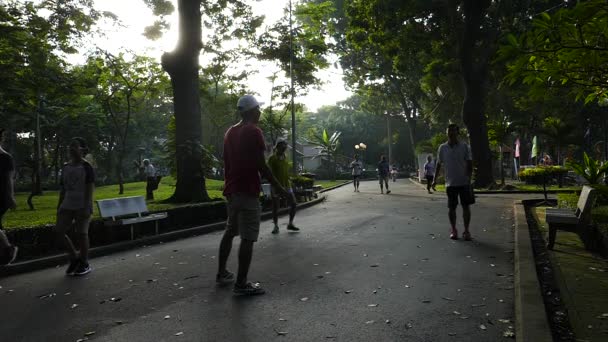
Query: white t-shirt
{"points": [[149, 170], [454, 161], [357, 167]]}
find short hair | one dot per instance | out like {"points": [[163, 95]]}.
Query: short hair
{"points": [[83, 144], [453, 126], [356, 156]]}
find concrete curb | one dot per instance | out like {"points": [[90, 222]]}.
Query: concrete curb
{"points": [[56, 260], [531, 323], [335, 187], [507, 192]]}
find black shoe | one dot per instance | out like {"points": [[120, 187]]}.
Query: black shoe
{"points": [[388, 192], [292, 228], [72, 267], [82, 269], [248, 289]]}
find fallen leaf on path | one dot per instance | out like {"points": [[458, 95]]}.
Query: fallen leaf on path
{"points": [[456, 313], [280, 333], [508, 333], [348, 291], [408, 326], [482, 327], [372, 305], [374, 265], [90, 333], [477, 305], [451, 334], [74, 306], [282, 319], [320, 277], [303, 299], [407, 286], [167, 317], [388, 321], [375, 291], [502, 320], [448, 298], [492, 265], [191, 277], [370, 322], [181, 332], [426, 301], [48, 295], [117, 299]]}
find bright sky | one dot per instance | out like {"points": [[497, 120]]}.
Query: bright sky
{"points": [[135, 15]]}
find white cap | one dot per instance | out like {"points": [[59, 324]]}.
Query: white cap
{"points": [[247, 103]]}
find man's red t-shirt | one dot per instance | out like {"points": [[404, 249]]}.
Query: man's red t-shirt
{"points": [[243, 143]]}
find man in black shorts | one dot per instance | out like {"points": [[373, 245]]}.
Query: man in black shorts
{"points": [[456, 157], [357, 168]]}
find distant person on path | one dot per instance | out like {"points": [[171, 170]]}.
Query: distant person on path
{"points": [[76, 206], [429, 173], [456, 157], [383, 172], [357, 169], [394, 173], [8, 252], [244, 161], [279, 166], [151, 179]]}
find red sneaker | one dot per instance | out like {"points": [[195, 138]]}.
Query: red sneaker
{"points": [[454, 234]]}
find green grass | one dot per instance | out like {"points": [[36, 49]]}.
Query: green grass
{"points": [[527, 187], [328, 184], [46, 205]]}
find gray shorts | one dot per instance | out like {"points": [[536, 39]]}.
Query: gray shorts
{"points": [[244, 216], [80, 217]]}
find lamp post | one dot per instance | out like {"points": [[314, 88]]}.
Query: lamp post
{"points": [[293, 110]]}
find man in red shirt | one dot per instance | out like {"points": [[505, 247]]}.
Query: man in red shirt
{"points": [[244, 160]]}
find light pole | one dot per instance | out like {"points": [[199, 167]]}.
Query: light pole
{"points": [[293, 110]]}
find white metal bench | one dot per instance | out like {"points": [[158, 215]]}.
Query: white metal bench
{"points": [[127, 211], [566, 218]]}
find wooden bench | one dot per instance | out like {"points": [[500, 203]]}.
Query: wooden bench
{"points": [[566, 218], [127, 211]]}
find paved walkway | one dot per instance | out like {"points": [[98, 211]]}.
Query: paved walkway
{"points": [[365, 267]]}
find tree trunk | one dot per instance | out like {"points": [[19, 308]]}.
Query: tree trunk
{"points": [[119, 173], [182, 66], [474, 77]]}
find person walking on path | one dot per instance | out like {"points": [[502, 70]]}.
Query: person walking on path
{"points": [[357, 169], [429, 173], [243, 162], [151, 180], [8, 252], [456, 157], [383, 172], [279, 166], [76, 206]]}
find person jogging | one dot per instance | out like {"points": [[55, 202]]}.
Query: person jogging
{"points": [[429, 173], [8, 252], [76, 206], [279, 166], [244, 160], [383, 172], [357, 169], [456, 157]]}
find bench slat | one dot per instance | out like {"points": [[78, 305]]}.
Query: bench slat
{"points": [[115, 207]]}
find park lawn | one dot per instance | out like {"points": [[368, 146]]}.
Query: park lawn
{"points": [[328, 184], [46, 205]]}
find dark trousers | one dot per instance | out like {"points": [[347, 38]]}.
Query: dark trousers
{"points": [[429, 182], [151, 185]]}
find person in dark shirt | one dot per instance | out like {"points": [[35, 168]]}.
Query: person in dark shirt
{"points": [[8, 252], [383, 173]]}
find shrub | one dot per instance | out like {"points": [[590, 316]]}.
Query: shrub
{"points": [[535, 175], [302, 182]]}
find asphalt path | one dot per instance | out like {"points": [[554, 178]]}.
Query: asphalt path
{"points": [[365, 267]]}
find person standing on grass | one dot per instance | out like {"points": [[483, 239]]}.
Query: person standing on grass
{"points": [[456, 157], [429, 173], [244, 160], [8, 252], [383, 172], [151, 181], [357, 169], [279, 166], [76, 206]]}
